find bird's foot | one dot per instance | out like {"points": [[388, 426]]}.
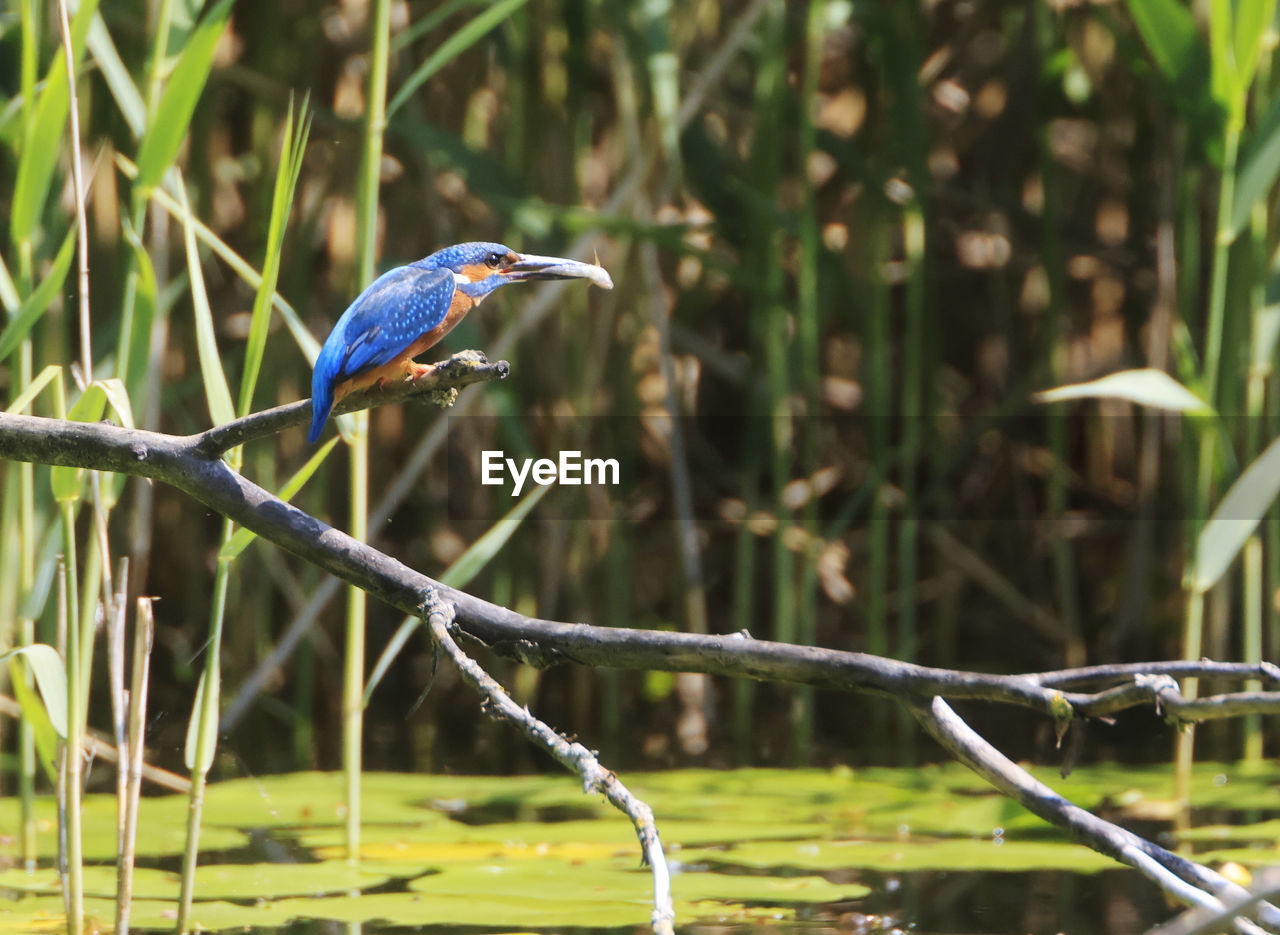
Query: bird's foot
{"points": [[413, 372], [443, 396]]}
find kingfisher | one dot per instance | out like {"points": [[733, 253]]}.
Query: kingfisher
{"points": [[410, 308]]}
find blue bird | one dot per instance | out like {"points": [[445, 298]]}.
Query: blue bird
{"points": [[408, 309]]}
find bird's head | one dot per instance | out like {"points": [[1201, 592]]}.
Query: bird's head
{"points": [[481, 267]]}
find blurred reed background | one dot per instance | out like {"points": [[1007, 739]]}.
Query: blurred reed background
{"points": [[849, 240]]}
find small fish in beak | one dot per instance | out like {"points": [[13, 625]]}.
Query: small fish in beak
{"points": [[530, 267]]}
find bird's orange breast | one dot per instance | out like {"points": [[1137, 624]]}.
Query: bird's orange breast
{"points": [[458, 308], [397, 368]]}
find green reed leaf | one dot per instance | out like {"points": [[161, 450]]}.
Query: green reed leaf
{"points": [[90, 407], [458, 575], [451, 48], [1152, 388], [241, 538], [41, 147], [199, 757], [1236, 517], [51, 678], [35, 387], [216, 391], [290, 167], [41, 297], [178, 102], [117, 76]]}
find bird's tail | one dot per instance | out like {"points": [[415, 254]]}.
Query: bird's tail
{"points": [[321, 402]]}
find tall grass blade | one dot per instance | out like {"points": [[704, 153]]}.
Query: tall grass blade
{"points": [[51, 678], [9, 297], [1225, 74], [451, 48], [143, 640], [429, 22], [1169, 30], [1259, 168], [1146, 387], [1252, 19], [290, 166], [178, 102], [35, 388], [216, 391], [302, 335], [138, 316], [1236, 517], [240, 540], [199, 749], [664, 79], [66, 481], [47, 711], [202, 736], [117, 76], [44, 141], [36, 716], [39, 300], [458, 575]]}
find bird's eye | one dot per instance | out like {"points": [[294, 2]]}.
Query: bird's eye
{"points": [[493, 260]]}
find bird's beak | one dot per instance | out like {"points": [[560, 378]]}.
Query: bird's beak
{"points": [[529, 266]]}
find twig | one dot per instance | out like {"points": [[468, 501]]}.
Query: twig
{"points": [[1183, 879], [1266, 886], [1177, 668], [143, 636], [462, 369], [116, 622], [438, 615]]}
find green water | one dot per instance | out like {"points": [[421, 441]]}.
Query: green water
{"points": [[929, 848]]}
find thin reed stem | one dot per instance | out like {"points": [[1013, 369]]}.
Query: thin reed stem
{"points": [[375, 118]]}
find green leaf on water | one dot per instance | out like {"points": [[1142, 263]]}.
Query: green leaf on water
{"points": [[910, 853]]}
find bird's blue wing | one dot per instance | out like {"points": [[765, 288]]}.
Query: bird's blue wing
{"points": [[398, 308], [382, 323]]}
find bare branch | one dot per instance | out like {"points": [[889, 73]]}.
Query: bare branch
{"points": [[1189, 882], [186, 464], [448, 376], [193, 465], [1176, 668], [439, 618], [1266, 885]]}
